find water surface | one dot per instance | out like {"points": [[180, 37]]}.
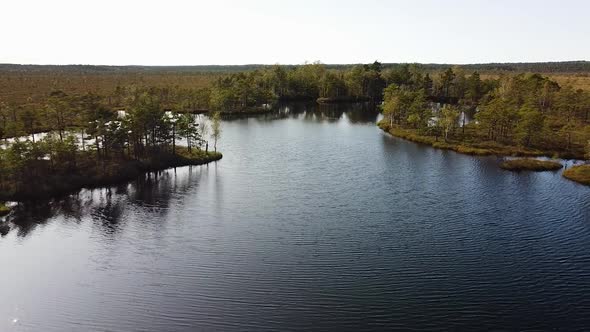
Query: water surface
{"points": [[314, 219]]}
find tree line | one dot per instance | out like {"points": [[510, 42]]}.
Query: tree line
{"points": [[357, 83], [543, 67]]}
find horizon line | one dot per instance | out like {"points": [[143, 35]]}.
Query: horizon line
{"points": [[292, 64]]}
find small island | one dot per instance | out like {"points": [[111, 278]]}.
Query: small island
{"points": [[580, 174], [528, 164], [106, 147], [88, 172]]}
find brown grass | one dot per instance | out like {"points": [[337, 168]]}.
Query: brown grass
{"points": [[580, 174], [576, 80], [34, 87]]}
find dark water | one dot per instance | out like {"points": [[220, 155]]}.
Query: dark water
{"points": [[312, 220]]}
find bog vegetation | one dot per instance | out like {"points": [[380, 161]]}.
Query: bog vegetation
{"points": [[580, 173], [111, 121]]}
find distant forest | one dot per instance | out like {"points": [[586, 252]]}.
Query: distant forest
{"points": [[540, 67]]}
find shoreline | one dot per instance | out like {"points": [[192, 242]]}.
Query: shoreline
{"points": [[90, 174], [579, 174], [343, 100], [477, 149], [252, 110], [529, 164]]}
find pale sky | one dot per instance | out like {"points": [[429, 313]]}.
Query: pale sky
{"points": [[199, 32]]}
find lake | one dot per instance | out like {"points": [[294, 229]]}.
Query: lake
{"points": [[313, 219]]}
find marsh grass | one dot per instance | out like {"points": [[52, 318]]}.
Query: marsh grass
{"points": [[580, 174]]}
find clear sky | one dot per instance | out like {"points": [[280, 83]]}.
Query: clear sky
{"points": [[198, 32]]}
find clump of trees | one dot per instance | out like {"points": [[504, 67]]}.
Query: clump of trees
{"points": [[526, 110], [145, 127], [307, 82], [87, 134]]}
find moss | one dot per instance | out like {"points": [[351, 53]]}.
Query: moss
{"points": [[580, 174], [4, 210], [530, 165]]}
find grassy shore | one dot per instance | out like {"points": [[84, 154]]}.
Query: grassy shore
{"points": [[485, 148], [90, 173], [580, 174], [530, 165]]}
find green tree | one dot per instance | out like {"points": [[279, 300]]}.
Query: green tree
{"points": [[354, 81], [474, 88], [530, 126], [427, 85], [446, 82], [203, 131], [215, 128], [29, 121], [447, 119], [391, 103], [373, 83], [189, 130], [172, 120], [59, 108], [332, 85]]}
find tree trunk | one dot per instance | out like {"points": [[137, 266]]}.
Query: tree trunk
{"points": [[97, 147], [463, 126], [173, 139]]}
